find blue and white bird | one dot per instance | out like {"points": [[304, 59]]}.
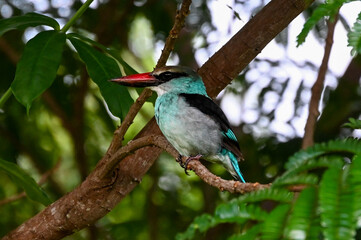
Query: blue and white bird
{"points": [[188, 118]]}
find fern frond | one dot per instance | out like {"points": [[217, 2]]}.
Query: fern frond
{"points": [[336, 205], [350, 208], [250, 234], [354, 37], [200, 224], [355, 181], [275, 223], [348, 145], [311, 164], [275, 194], [304, 210], [235, 212], [355, 123], [304, 179]]}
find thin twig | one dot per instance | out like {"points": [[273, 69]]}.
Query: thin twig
{"points": [[146, 93], [308, 138], [174, 33]]}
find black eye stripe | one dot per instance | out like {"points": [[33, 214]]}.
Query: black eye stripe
{"points": [[166, 76]]}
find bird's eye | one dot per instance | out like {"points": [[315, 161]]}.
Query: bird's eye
{"points": [[166, 76]]}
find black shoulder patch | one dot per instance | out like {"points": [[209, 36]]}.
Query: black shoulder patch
{"points": [[210, 108]]}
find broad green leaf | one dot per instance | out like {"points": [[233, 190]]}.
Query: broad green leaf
{"points": [[112, 52], [38, 65], [21, 178], [101, 69], [27, 20]]}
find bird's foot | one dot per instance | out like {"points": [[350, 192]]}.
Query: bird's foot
{"points": [[179, 160], [185, 165]]}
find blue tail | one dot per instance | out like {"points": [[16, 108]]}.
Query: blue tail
{"points": [[234, 162]]}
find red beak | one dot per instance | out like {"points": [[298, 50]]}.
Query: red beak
{"points": [[138, 80]]}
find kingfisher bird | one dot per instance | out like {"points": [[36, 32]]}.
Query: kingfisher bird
{"points": [[189, 119]]}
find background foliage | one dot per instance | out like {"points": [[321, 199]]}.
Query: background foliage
{"points": [[65, 126]]}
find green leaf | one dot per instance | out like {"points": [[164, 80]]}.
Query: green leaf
{"points": [[23, 180], [250, 234], [354, 123], [354, 36], [38, 66], [112, 52], [27, 20], [275, 194], [233, 211], [339, 147], [289, 180], [354, 180], [101, 69], [303, 213], [328, 9], [337, 205], [275, 223], [200, 224]]}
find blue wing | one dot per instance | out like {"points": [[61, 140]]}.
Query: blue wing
{"points": [[208, 107], [229, 142]]}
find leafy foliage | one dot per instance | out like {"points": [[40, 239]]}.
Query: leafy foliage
{"points": [[33, 191], [353, 123], [331, 210], [27, 20], [354, 36], [38, 66], [329, 9], [101, 69]]}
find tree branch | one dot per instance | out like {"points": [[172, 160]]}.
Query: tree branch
{"points": [[308, 138], [146, 93]]}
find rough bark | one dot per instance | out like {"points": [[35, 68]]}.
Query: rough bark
{"points": [[96, 197]]}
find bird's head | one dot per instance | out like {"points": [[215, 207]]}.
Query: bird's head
{"points": [[175, 79]]}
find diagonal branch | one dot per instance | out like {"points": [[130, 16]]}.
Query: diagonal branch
{"points": [[308, 138], [146, 93]]}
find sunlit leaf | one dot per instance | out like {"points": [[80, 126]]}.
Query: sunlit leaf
{"points": [[38, 66], [101, 69], [23, 180], [27, 20]]}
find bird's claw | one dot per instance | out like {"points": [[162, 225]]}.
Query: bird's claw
{"points": [[179, 160], [185, 165]]}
